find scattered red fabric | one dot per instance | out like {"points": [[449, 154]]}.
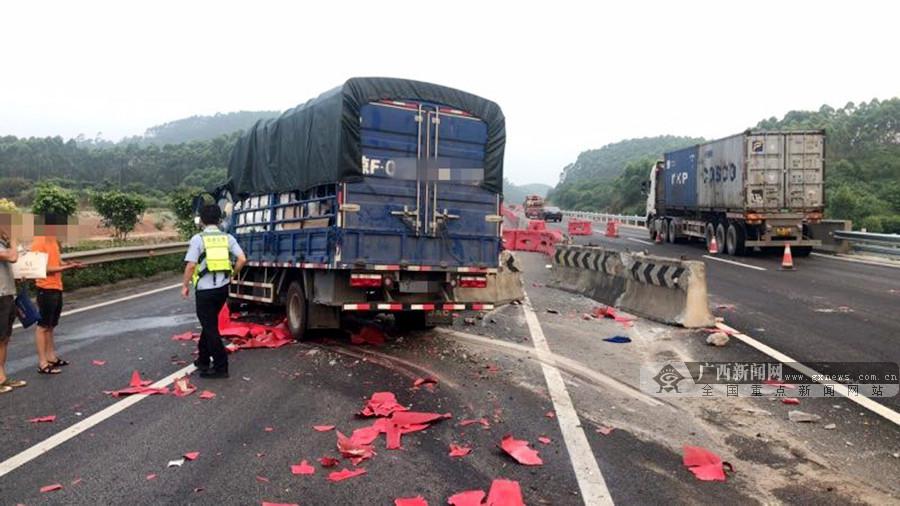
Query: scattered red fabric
{"points": [[183, 387], [368, 335], [505, 493], [519, 450], [467, 498], [303, 468], [459, 451], [99, 362], [186, 336], [323, 428], [706, 465], [428, 382], [550, 414], [605, 430], [353, 450], [206, 394], [328, 461], [137, 386], [262, 479], [246, 335], [416, 418], [43, 419], [51, 488], [382, 404], [151, 476], [365, 435], [544, 439], [790, 400], [191, 455], [344, 474], [411, 501], [482, 421], [611, 312]]}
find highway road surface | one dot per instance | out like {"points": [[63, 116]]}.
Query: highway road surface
{"points": [[537, 370]]}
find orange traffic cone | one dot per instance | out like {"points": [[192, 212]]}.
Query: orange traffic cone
{"points": [[713, 246], [612, 229], [658, 238], [787, 261]]}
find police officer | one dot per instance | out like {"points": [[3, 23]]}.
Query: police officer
{"points": [[209, 269]]}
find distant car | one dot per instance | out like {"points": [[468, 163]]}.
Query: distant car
{"points": [[552, 214]]}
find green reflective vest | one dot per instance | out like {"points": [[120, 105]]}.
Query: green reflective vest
{"points": [[216, 253]]}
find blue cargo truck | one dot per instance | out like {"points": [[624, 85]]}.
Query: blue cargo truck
{"points": [[756, 189], [379, 196]]}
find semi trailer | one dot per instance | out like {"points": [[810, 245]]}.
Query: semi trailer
{"points": [[756, 189], [379, 196], [534, 207]]}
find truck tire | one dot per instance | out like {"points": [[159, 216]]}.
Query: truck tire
{"points": [[651, 227], [735, 240], [720, 235], [802, 251], [673, 233], [709, 233], [664, 229], [297, 311]]}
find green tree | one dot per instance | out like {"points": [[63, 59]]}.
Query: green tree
{"points": [[51, 199], [120, 211], [12, 187], [181, 203]]}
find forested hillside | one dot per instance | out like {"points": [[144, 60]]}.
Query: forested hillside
{"points": [[515, 194], [862, 166], [201, 128], [597, 179]]}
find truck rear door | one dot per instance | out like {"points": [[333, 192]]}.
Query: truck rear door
{"points": [[765, 172], [805, 154], [420, 201]]}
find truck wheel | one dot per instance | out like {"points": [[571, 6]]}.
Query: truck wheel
{"points": [[802, 251], [673, 232], [663, 229], [735, 240], [720, 235], [295, 306], [651, 227], [710, 232]]}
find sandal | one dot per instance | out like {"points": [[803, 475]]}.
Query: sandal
{"points": [[59, 362], [5, 389], [14, 383], [48, 369]]}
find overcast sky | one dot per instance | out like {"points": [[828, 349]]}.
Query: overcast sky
{"points": [[568, 76]]}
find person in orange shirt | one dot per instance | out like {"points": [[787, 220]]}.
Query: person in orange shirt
{"points": [[50, 290]]}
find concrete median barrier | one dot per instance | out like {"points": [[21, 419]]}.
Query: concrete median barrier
{"points": [[502, 288], [663, 289]]}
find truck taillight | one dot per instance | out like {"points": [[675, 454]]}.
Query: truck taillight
{"points": [[365, 280], [472, 282]]}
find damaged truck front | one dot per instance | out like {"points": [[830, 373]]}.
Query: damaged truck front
{"points": [[382, 195]]}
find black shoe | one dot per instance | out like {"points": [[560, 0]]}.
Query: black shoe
{"points": [[214, 373], [200, 366]]}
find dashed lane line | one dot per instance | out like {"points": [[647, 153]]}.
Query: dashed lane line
{"points": [[61, 437], [717, 259], [587, 472], [841, 389]]}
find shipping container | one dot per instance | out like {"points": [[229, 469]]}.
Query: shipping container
{"points": [[754, 189]]}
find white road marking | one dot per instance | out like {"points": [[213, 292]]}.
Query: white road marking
{"points": [[109, 302], [886, 263], [61, 437], [865, 402], [590, 481], [734, 263], [640, 241]]}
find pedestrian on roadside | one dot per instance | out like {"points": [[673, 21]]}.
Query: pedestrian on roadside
{"points": [[9, 254], [209, 269], [48, 232]]}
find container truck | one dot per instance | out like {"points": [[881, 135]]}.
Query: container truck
{"points": [[754, 189], [381, 195], [534, 207]]}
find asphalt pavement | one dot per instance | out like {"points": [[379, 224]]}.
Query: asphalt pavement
{"points": [[261, 419]]}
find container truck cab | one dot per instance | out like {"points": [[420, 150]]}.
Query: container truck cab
{"points": [[756, 189], [380, 196]]}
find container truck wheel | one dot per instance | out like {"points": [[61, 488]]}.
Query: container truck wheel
{"points": [[673, 235], [663, 229], [651, 227], [720, 235], [296, 309], [735, 240], [710, 232]]}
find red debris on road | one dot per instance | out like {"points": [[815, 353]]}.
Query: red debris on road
{"points": [[482, 421], [51, 488], [151, 476], [247, 335], [544, 439], [467, 498], [206, 394], [137, 386], [505, 493], [353, 449], [183, 387], [369, 334], [345, 474], [264, 503], [191, 455], [605, 430], [98, 362], [411, 501], [43, 419], [428, 382], [186, 336], [262, 479], [706, 465], [550, 414], [303, 468], [328, 461], [323, 428], [519, 450], [459, 451], [382, 404], [790, 400]]}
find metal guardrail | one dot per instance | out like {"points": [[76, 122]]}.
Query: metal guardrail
{"points": [[623, 219], [99, 256], [884, 244]]}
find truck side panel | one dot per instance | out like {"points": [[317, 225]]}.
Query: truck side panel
{"points": [[679, 179], [720, 174]]}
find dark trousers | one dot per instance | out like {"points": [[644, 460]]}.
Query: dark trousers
{"points": [[209, 303]]}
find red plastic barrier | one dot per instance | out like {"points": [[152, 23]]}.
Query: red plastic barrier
{"points": [[538, 241], [527, 240], [612, 229], [537, 225], [580, 227], [509, 239]]}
